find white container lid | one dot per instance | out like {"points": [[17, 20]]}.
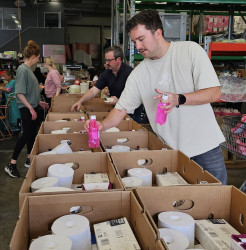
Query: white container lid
{"points": [[164, 97]]}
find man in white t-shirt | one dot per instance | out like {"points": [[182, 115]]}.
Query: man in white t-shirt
{"points": [[183, 71]]}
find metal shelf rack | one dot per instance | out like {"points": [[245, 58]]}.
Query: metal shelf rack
{"points": [[193, 7]]}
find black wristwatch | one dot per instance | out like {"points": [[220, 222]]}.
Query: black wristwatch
{"points": [[182, 100]]}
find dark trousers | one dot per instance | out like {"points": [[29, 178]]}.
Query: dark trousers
{"points": [[29, 132], [48, 100]]}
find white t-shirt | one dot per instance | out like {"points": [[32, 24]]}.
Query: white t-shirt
{"points": [[185, 68]]}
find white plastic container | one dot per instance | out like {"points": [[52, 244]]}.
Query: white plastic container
{"points": [[84, 87]]}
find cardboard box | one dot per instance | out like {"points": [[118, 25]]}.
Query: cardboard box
{"points": [[161, 162], [141, 139], [102, 115], [201, 202], [97, 108], [47, 127], [98, 163], [63, 109], [54, 116], [70, 101], [44, 143], [39, 212]]}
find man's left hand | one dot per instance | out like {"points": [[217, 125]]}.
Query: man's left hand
{"points": [[172, 99]]}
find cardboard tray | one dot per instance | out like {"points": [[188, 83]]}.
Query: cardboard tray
{"points": [[39, 212], [160, 162], [142, 139], [47, 127], [88, 162], [201, 202], [54, 116], [46, 142]]}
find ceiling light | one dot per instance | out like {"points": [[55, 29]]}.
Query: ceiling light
{"points": [[16, 21], [13, 17]]}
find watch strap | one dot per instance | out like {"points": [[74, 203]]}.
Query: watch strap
{"points": [[182, 100]]}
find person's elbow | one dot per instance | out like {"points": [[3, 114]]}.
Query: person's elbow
{"points": [[217, 94]]}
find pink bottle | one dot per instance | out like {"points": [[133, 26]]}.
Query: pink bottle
{"points": [[93, 133], [161, 116]]}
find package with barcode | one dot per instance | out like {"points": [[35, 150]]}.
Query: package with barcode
{"points": [[169, 179], [214, 234], [96, 178], [115, 234], [238, 242]]}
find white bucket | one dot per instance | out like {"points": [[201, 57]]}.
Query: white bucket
{"points": [[84, 87]]}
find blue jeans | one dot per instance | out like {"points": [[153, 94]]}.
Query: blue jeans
{"points": [[213, 162]]}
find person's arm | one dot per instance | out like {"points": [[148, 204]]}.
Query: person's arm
{"points": [[88, 96], [199, 97], [56, 78], [23, 99], [7, 90], [114, 117]]}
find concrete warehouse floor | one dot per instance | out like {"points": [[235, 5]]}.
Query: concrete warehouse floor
{"points": [[9, 206]]}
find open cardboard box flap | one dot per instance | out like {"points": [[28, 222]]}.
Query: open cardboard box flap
{"points": [[201, 202], [54, 116], [134, 139], [159, 161], [87, 163], [45, 142], [39, 212]]}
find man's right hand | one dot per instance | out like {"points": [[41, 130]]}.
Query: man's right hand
{"points": [[86, 127], [76, 107], [33, 113]]}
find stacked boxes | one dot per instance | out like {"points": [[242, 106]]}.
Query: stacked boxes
{"points": [[138, 205]]}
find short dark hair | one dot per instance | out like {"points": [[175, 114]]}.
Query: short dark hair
{"points": [[116, 50], [10, 73], [149, 18]]}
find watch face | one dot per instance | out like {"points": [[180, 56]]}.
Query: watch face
{"points": [[182, 99]]}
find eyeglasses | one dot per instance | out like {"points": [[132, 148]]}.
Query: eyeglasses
{"points": [[109, 60]]}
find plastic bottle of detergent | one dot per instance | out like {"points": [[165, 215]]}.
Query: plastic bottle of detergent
{"points": [[94, 141], [161, 116]]}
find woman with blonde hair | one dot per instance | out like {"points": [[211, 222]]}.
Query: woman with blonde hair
{"points": [[28, 99], [53, 81]]}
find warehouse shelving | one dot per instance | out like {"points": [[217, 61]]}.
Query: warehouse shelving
{"points": [[193, 7]]}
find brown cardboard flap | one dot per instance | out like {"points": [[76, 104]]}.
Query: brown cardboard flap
{"points": [[97, 108], [144, 234], [62, 109], [99, 115], [74, 126], [54, 116], [20, 238], [238, 210], [134, 139], [45, 142]]}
